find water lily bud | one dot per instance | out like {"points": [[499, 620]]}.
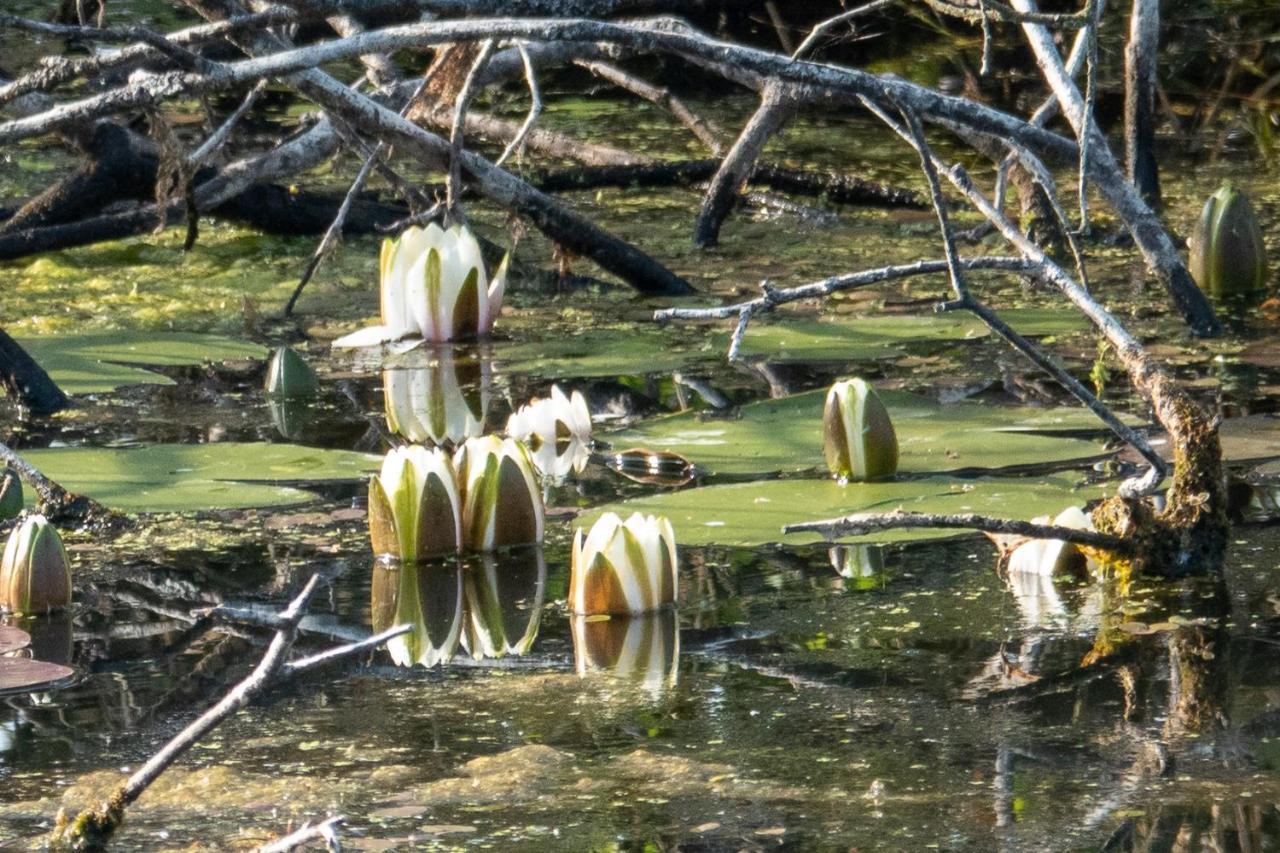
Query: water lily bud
{"points": [[1051, 556], [644, 648], [428, 404], [1228, 257], [623, 567], [858, 437], [414, 506], [428, 598], [289, 375], [433, 286], [557, 431], [10, 494], [504, 596], [502, 504], [35, 575]]}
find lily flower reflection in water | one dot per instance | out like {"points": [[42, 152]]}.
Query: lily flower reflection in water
{"points": [[503, 596], [489, 609], [557, 431], [861, 566], [427, 596], [643, 649], [444, 401]]}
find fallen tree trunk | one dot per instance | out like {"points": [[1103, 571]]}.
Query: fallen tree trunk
{"points": [[832, 186]]}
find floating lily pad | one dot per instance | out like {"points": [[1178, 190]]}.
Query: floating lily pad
{"points": [[786, 435], [12, 639], [883, 335], [749, 514], [183, 477], [612, 352], [103, 361], [20, 675]]}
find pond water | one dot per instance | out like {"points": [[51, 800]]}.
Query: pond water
{"points": [[897, 696]]}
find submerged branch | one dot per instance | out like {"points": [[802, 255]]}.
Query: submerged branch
{"points": [[326, 831], [861, 524]]}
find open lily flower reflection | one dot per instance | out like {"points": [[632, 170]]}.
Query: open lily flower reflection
{"points": [[434, 287], [557, 431], [445, 401]]}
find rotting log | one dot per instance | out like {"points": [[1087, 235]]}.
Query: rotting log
{"points": [[834, 187], [26, 381], [1140, 56]]}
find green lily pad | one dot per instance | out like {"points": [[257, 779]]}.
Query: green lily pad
{"points": [[786, 435], [103, 361], [750, 514], [185, 477], [611, 352], [883, 335]]}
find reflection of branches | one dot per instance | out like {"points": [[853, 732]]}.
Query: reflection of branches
{"points": [[93, 827]]}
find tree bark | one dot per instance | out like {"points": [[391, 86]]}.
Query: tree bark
{"points": [[1140, 59], [26, 381], [776, 107]]}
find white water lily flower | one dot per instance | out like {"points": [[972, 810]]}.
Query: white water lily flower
{"points": [[427, 404], [428, 598], [502, 504], [35, 575], [504, 599], [557, 431], [433, 286], [1051, 556], [415, 510], [643, 648], [623, 567]]}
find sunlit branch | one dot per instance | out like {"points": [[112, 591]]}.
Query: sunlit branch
{"points": [[861, 524]]}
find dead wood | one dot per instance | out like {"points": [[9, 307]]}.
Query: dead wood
{"points": [[26, 381], [832, 187]]}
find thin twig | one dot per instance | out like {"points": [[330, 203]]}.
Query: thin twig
{"points": [[1090, 95], [1046, 268], [839, 284], [220, 136], [862, 523], [325, 831], [707, 133], [334, 232], [821, 28], [453, 187], [535, 107]]}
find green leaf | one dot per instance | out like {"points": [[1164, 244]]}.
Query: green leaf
{"points": [[611, 352], [184, 477], [103, 361], [883, 335], [786, 435], [750, 514]]}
